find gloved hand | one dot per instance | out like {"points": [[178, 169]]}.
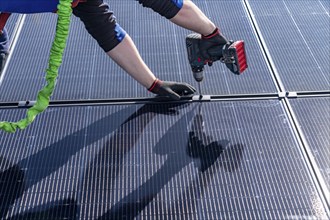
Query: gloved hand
{"points": [[210, 41], [172, 90]]}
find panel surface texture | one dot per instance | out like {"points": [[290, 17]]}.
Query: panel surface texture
{"points": [[297, 35], [314, 118], [11, 22], [237, 160]]}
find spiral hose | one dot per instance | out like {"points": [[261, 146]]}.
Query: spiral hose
{"points": [[55, 59]]}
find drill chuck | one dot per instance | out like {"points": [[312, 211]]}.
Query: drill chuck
{"points": [[198, 76]]}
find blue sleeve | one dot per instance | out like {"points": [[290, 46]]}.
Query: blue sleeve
{"points": [[28, 6]]}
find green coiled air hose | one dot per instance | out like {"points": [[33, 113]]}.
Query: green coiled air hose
{"points": [[55, 59]]}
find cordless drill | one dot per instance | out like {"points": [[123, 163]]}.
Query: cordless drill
{"points": [[228, 52]]}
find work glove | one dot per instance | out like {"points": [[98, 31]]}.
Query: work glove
{"points": [[209, 41], [171, 90]]}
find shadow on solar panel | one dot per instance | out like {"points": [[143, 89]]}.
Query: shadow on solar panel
{"points": [[192, 147]]}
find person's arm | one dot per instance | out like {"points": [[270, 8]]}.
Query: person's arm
{"points": [[101, 24], [192, 18], [186, 14], [127, 57]]}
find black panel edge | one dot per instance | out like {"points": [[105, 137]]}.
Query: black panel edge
{"points": [[263, 46], [143, 100]]}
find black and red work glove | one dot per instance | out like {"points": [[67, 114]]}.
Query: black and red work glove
{"points": [[209, 41], [171, 90]]}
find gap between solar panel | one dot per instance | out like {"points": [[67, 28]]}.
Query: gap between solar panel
{"points": [[144, 100]]}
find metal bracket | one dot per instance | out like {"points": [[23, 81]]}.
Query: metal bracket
{"points": [[201, 98], [26, 103]]}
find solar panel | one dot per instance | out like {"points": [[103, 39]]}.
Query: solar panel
{"points": [[11, 22], [314, 119], [297, 35], [210, 160]]}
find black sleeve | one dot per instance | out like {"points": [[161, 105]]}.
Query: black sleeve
{"points": [[100, 23], [166, 8]]}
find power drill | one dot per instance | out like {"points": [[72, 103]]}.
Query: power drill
{"points": [[232, 54]]}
